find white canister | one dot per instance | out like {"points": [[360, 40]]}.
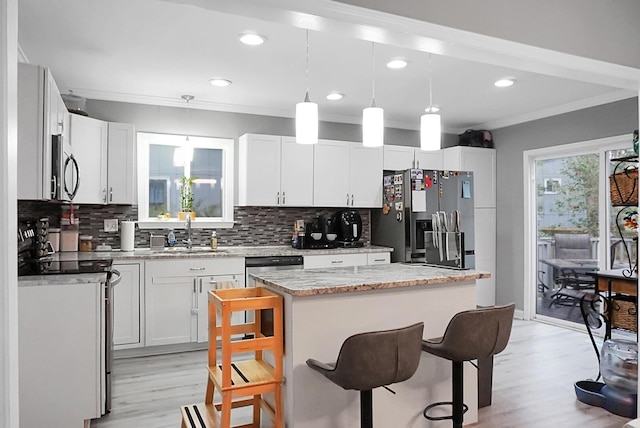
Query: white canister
{"points": [[69, 240], [54, 238], [127, 235]]}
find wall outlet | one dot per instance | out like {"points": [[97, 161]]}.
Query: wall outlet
{"points": [[111, 225]]}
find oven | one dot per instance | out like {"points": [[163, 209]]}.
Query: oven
{"points": [[113, 278]]}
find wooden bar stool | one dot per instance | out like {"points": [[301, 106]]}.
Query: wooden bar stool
{"points": [[370, 360], [470, 335]]}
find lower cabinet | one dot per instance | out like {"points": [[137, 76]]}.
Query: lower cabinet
{"points": [[345, 260], [176, 296], [126, 306]]}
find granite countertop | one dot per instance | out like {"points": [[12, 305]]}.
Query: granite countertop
{"points": [[76, 278], [311, 282], [239, 251]]}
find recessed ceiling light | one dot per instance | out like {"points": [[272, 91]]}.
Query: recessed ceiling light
{"points": [[220, 82], [251, 39], [397, 63], [504, 83], [432, 109], [335, 96]]}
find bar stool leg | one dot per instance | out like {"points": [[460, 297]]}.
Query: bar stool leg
{"points": [[458, 394], [366, 409]]}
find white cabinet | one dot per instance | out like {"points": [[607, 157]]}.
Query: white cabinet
{"points": [[346, 174], [175, 293], [379, 258], [41, 115], [214, 282], [485, 254], [59, 326], [126, 307], [398, 158], [483, 164], [274, 171], [106, 157]]}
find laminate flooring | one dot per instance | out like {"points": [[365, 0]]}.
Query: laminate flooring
{"points": [[532, 387]]}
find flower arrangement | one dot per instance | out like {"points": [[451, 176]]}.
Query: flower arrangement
{"points": [[186, 197]]}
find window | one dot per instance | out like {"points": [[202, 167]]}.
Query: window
{"points": [[165, 161], [551, 186]]}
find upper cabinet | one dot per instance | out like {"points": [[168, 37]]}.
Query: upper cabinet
{"points": [[274, 171], [398, 158], [347, 174], [483, 164], [42, 116], [106, 154]]}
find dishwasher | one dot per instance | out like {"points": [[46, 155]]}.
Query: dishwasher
{"points": [[256, 265]]}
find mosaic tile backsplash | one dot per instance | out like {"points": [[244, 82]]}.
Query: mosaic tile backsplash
{"points": [[254, 225]]}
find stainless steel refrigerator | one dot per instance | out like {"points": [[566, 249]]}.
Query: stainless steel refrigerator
{"points": [[427, 217]]}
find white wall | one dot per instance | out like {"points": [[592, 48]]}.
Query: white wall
{"points": [[8, 214], [596, 29]]}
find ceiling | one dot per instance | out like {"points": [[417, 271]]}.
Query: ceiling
{"points": [[152, 52]]}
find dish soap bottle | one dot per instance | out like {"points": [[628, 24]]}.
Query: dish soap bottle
{"points": [[214, 240], [171, 238]]}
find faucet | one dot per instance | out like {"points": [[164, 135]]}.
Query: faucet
{"points": [[187, 226]]}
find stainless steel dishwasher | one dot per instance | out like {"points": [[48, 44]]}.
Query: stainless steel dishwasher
{"points": [[267, 264]]}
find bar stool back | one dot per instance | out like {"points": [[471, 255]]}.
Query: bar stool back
{"points": [[370, 360], [470, 335]]}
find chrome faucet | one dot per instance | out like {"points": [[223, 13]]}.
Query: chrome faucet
{"points": [[187, 225]]}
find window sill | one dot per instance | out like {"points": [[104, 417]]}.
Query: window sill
{"points": [[174, 223]]}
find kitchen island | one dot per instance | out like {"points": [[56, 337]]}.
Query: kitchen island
{"points": [[322, 307]]}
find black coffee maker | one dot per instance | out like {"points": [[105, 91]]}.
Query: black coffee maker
{"points": [[348, 225], [320, 233]]}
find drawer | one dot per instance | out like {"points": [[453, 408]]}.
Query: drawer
{"points": [[337, 260], [195, 267], [378, 258]]}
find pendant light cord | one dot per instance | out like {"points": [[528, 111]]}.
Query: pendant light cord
{"points": [[373, 74], [430, 92], [307, 82]]}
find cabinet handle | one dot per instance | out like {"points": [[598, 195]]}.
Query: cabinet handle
{"points": [[214, 283], [336, 261], [104, 195], [54, 183], [379, 260], [347, 199], [197, 268], [352, 199], [194, 285], [200, 285], [283, 198], [110, 194], [417, 164], [278, 196]]}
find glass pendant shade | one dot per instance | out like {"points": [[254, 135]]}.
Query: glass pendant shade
{"points": [[373, 127], [306, 122], [430, 132]]}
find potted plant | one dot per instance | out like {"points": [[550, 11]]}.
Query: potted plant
{"points": [[186, 198]]}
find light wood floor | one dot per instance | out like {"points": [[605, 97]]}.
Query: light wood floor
{"points": [[533, 385]]}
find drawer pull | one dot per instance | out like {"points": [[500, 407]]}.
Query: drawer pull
{"points": [[337, 261], [379, 260], [213, 283], [198, 268]]}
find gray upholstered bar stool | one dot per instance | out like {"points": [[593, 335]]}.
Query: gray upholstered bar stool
{"points": [[473, 334], [370, 360]]}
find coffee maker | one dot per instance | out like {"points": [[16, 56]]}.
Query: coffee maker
{"points": [[320, 233], [348, 225]]}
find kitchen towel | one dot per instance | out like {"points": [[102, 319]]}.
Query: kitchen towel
{"points": [[127, 234]]}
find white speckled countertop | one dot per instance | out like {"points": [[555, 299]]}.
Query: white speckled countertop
{"points": [[311, 282], [76, 278]]}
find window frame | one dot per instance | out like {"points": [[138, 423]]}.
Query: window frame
{"points": [[144, 140]]}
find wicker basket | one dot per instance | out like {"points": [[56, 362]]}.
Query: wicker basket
{"points": [[624, 315], [624, 187]]}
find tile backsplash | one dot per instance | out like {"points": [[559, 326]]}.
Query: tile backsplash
{"points": [[253, 225]]}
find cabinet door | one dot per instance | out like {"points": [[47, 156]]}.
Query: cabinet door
{"points": [[126, 306], [259, 170], [296, 176], [483, 164], [331, 165], [89, 142], [170, 309], [206, 284], [428, 160], [365, 177], [121, 164], [398, 158]]}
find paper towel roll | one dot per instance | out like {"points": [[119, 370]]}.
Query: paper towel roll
{"points": [[127, 234]]}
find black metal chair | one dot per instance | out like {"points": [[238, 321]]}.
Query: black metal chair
{"points": [[371, 360], [573, 283], [470, 335]]}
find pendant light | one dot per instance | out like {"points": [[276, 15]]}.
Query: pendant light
{"points": [[183, 155], [307, 114], [430, 124], [373, 117]]}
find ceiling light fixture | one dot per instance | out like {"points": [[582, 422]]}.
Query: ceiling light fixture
{"points": [[183, 155], [307, 114], [396, 64], [373, 117], [335, 96], [504, 83], [430, 123], [220, 83], [251, 39]]}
